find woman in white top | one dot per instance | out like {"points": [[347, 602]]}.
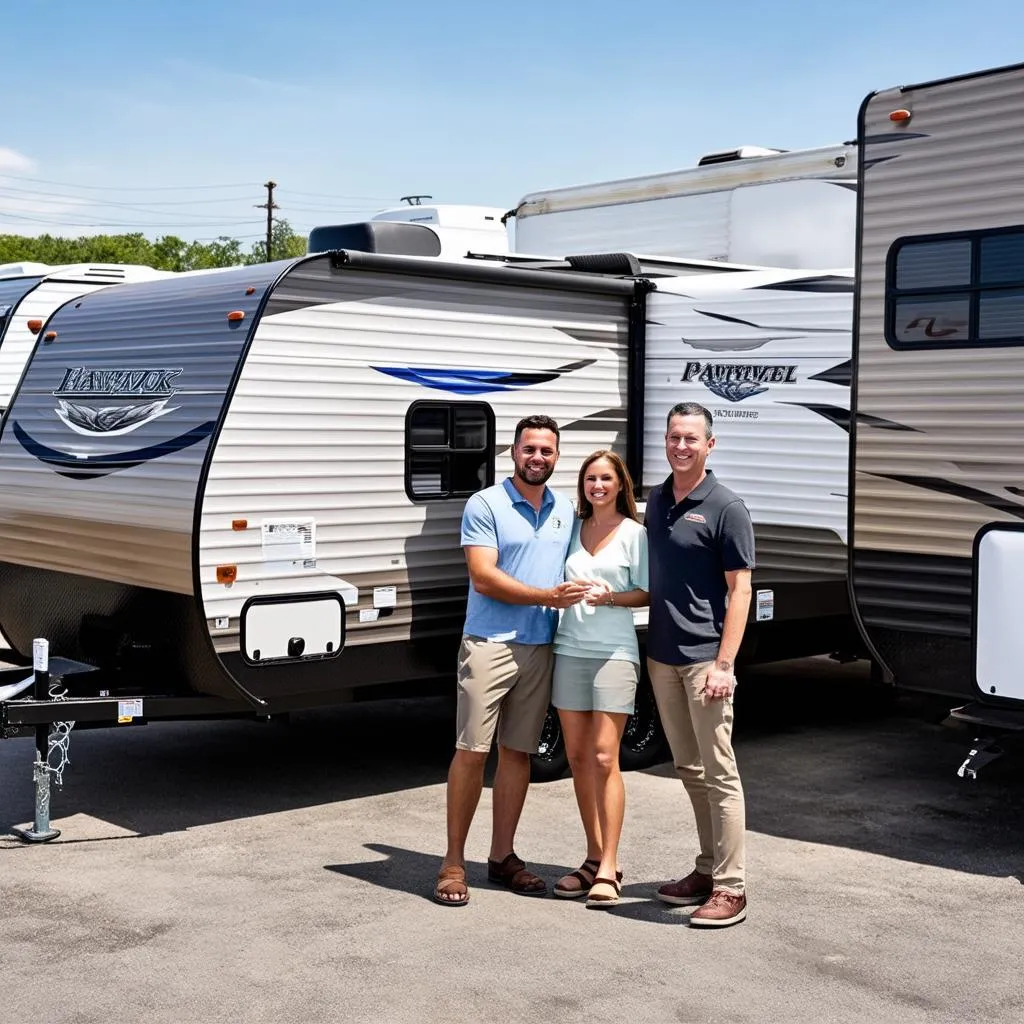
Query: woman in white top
{"points": [[597, 665]]}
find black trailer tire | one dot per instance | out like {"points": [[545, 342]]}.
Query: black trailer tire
{"points": [[643, 741], [551, 761]]}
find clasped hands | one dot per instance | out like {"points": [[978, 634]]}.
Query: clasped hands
{"points": [[593, 592]]}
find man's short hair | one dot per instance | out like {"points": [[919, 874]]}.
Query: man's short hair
{"points": [[690, 409], [537, 423]]}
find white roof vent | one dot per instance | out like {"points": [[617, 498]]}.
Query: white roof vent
{"points": [[743, 153]]}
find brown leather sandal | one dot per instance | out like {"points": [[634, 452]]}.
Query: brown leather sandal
{"points": [[511, 874], [609, 896], [451, 882], [584, 875]]}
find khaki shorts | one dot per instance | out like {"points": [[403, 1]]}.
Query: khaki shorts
{"points": [[505, 687]]}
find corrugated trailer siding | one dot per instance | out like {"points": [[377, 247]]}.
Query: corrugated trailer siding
{"points": [[921, 494], [132, 524], [786, 460], [19, 341], [317, 431]]}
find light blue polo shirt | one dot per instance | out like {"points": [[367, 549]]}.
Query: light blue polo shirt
{"points": [[531, 548]]}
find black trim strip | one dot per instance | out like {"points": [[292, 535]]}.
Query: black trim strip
{"points": [[841, 417], [955, 490], [636, 372], [516, 276], [1001, 70], [841, 373], [878, 160], [771, 327], [824, 283]]}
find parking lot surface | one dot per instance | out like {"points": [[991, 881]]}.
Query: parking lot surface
{"points": [[275, 874]]}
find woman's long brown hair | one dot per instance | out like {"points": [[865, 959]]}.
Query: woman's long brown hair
{"points": [[625, 503]]}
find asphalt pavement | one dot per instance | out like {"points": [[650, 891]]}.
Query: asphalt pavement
{"points": [[274, 873]]}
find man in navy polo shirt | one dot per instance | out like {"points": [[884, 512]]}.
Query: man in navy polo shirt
{"points": [[701, 545], [516, 536]]}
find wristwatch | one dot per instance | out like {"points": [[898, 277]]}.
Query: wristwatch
{"points": [[611, 600]]}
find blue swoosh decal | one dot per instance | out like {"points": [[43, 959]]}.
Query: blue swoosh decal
{"points": [[89, 467], [476, 382]]}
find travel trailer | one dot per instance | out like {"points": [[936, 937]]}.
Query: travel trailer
{"points": [[749, 205], [937, 463], [241, 492], [447, 231], [30, 292]]}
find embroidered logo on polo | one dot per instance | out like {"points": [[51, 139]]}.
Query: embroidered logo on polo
{"points": [[694, 517]]}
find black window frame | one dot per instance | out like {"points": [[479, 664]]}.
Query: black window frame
{"points": [[448, 450], [974, 290]]}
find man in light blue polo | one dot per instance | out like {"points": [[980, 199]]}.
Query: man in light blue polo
{"points": [[515, 535]]}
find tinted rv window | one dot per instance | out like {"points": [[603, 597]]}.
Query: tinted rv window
{"points": [[448, 448], [967, 289]]}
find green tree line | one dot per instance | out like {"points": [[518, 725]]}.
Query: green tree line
{"points": [[169, 252]]}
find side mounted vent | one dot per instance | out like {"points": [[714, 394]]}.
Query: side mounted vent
{"points": [[743, 153], [623, 263]]}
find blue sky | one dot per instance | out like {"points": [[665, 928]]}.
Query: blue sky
{"points": [[120, 116]]}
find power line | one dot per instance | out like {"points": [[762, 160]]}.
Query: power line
{"points": [[85, 200], [128, 188]]}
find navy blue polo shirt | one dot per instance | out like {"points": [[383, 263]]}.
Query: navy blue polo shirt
{"points": [[691, 546]]}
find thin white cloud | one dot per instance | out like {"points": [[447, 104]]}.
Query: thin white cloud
{"points": [[14, 162]]}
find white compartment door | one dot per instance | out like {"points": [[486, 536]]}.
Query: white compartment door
{"points": [[300, 628], [999, 611]]}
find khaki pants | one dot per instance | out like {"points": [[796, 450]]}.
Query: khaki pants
{"points": [[700, 736]]}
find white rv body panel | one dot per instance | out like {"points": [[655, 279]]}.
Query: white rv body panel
{"points": [[767, 352], [315, 434], [59, 285], [794, 210]]}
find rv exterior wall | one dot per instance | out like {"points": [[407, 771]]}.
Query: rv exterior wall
{"points": [[939, 443], [768, 353], [785, 210], [317, 434]]}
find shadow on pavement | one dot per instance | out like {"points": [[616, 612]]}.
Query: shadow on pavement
{"points": [[414, 872], [826, 757], [170, 776]]}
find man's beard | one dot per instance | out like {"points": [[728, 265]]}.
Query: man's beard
{"points": [[534, 477]]}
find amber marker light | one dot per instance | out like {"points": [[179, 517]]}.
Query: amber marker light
{"points": [[227, 573], [236, 314], [900, 116], [250, 291], [35, 326], [50, 336], [239, 524]]}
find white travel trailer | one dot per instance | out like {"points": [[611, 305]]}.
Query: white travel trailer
{"points": [[448, 231], [937, 468], [30, 292], [750, 205], [242, 491]]}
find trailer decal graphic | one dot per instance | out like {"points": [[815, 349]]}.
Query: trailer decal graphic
{"points": [[478, 382], [736, 381], [87, 467]]}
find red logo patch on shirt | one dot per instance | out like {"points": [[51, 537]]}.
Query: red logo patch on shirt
{"points": [[695, 517]]}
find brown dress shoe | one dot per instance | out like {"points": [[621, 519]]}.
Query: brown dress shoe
{"points": [[722, 910], [694, 888]]}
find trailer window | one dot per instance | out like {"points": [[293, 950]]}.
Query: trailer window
{"points": [[448, 449], [952, 290]]}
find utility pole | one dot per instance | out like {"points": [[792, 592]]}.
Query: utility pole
{"points": [[270, 206]]}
